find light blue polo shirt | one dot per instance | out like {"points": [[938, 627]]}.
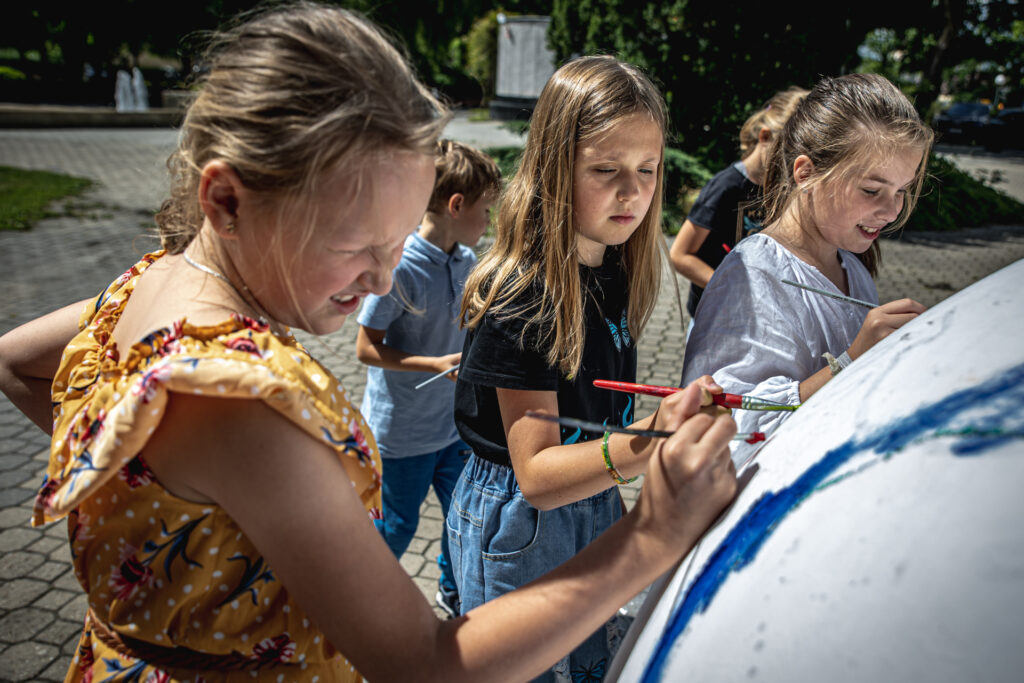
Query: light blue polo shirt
{"points": [[404, 420]]}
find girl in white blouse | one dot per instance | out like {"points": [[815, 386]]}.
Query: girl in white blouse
{"points": [[848, 164]]}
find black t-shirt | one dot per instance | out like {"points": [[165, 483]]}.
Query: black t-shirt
{"points": [[729, 206], [493, 356]]}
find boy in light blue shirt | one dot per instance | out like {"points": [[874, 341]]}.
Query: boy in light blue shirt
{"points": [[410, 335]]}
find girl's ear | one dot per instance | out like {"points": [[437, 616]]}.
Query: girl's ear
{"points": [[220, 193], [803, 168], [455, 203], [764, 135]]}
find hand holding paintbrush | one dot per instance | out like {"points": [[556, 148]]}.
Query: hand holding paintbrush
{"points": [[708, 399]]}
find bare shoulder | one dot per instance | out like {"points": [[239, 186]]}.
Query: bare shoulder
{"points": [[169, 291], [204, 443]]}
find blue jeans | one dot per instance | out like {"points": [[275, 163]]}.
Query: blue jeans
{"points": [[406, 482], [499, 542]]}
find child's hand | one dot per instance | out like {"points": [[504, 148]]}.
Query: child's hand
{"points": [[690, 477], [883, 321], [449, 361], [708, 388]]}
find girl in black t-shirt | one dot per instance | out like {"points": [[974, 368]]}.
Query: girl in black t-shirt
{"points": [[729, 207], [556, 303]]}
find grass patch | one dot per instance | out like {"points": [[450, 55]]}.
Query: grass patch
{"points": [[25, 196], [476, 115]]}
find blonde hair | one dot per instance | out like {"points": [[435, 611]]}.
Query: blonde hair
{"points": [[843, 126], [773, 116], [462, 169], [291, 94], [536, 240]]}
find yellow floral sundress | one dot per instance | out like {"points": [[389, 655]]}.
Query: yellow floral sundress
{"points": [[176, 590]]}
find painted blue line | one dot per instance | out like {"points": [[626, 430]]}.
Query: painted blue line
{"points": [[1003, 395]]}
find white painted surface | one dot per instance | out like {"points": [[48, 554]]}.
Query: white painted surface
{"points": [[911, 568]]}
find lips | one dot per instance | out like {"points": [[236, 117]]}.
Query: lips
{"points": [[624, 219], [345, 303], [870, 232]]}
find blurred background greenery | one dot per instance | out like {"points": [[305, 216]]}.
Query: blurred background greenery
{"points": [[715, 61]]}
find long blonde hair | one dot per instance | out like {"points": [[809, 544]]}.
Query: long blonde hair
{"points": [[536, 241], [290, 94], [844, 125]]}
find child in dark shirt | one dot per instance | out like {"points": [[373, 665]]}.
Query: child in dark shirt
{"points": [[729, 207]]}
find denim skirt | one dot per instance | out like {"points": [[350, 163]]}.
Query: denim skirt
{"points": [[499, 542]]}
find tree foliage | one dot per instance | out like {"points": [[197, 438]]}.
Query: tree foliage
{"points": [[440, 38], [70, 51], [968, 49], [54, 41], [718, 61]]}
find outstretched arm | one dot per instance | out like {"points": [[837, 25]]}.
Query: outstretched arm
{"points": [[879, 324], [295, 502], [29, 358], [371, 350]]}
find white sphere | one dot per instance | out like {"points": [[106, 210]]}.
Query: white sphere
{"points": [[880, 538]]}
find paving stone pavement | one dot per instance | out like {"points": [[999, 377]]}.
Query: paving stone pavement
{"points": [[66, 259]]}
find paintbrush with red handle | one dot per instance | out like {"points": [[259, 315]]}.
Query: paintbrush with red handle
{"points": [[707, 398]]}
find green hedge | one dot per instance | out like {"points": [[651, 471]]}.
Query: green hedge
{"points": [[953, 199], [507, 159]]}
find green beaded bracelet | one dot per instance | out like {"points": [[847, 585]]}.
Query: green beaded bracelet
{"points": [[608, 463]]}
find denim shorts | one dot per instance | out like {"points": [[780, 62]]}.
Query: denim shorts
{"points": [[497, 541]]}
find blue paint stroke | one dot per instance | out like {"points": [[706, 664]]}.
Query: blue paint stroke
{"points": [[1003, 397]]}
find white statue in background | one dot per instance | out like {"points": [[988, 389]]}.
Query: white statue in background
{"points": [[139, 90], [130, 92], [124, 98]]}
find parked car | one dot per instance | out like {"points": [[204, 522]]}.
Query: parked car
{"points": [[962, 122], [1004, 131]]}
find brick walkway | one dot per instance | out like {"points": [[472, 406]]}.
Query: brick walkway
{"points": [[66, 259]]}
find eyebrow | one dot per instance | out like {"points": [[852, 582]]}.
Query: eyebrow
{"points": [[615, 158], [885, 181]]}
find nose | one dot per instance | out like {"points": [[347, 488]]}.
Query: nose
{"points": [[890, 210], [628, 189], [377, 278]]}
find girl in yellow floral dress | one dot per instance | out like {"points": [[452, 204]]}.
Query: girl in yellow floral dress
{"points": [[218, 484]]}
